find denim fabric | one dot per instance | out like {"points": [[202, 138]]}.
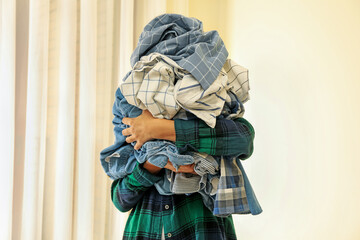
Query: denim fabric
{"points": [[120, 163], [119, 158], [158, 152]]}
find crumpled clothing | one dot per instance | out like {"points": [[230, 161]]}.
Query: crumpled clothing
{"points": [[187, 183], [150, 85], [231, 194], [119, 160], [158, 153], [183, 40], [225, 96], [171, 183], [205, 163], [159, 84], [202, 56], [181, 183]]}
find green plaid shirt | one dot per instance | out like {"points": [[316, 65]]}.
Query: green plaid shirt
{"points": [[183, 217]]}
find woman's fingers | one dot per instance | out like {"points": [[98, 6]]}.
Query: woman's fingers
{"points": [[126, 132], [140, 128], [183, 168], [130, 139], [170, 166], [138, 145], [186, 168], [127, 120]]}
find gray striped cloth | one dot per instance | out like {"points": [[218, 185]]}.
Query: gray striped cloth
{"points": [[181, 183]]}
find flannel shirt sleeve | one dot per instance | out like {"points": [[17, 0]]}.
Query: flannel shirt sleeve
{"points": [[127, 191], [228, 138]]}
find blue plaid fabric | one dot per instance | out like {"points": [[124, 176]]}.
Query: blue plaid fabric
{"points": [[231, 194], [160, 85], [182, 39]]}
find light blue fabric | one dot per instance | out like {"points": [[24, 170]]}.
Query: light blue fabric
{"points": [[158, 152], [183, 40]]}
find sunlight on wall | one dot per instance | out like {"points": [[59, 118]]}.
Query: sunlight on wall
{"points": [[304, 79], [304, 84]]}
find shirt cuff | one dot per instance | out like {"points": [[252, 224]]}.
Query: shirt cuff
{"points": [[144, 177], [250, 128], [248, 125], [187, 134]]}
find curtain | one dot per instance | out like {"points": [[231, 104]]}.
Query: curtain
{"points": [[7, 106], [60, 61]]}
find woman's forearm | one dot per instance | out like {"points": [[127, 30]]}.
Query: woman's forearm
{"points": [[228, 137], [151, 168], [164, 129]]}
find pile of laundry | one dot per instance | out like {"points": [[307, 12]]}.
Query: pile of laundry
{"points": [[180, 72]]}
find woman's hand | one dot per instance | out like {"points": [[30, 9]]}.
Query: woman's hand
{"points": [[140, 129], [183, 168]]}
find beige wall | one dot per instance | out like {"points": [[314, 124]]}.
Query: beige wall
{"points": [[303, 59]]}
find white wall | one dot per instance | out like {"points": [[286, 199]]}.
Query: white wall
{"points": [[303, 59]]}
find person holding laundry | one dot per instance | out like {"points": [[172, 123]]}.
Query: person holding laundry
{"points": [[179, 113], [174, 216]]}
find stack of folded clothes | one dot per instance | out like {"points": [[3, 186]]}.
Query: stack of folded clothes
{"points": [[180, 72]]}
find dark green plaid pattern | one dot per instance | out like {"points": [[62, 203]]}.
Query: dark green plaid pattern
{"points": [[184, 217], [226, 138]]}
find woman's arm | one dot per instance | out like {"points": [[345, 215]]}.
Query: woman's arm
{"points": [[127, 191], [145, 127], [227, 138]]}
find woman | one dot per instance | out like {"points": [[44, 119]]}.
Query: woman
{"points": [[155, 216]]}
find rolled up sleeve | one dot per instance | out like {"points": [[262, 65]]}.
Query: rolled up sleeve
{"points": [[127, 191], [228, 138]]}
